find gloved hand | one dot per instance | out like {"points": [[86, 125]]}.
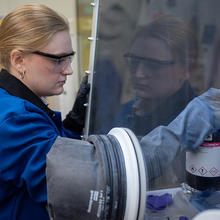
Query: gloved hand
{"points": [[159, 202], [212, 98], [187, 131], [75, 119]]}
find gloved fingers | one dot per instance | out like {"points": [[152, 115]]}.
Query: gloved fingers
{"points": [[85, 79], [159, 202], [212, 97], [84, 87]]}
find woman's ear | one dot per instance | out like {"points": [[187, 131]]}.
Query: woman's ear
{"points": [[17, 60]]}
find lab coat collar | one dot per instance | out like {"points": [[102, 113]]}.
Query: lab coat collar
{"points": [[16, 88]]}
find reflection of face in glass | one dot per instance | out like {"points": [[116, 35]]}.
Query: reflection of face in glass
{"points": [[156, 73]]}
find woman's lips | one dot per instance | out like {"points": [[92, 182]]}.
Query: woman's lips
{"points": [[141, 86], [62, 82]]}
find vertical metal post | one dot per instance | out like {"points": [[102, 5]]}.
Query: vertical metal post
{"points": [[93, 40]]}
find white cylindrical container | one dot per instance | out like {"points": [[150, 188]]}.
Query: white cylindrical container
{"points": [[203, 166]]}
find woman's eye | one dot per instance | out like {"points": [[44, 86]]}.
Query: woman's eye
{"points": [[58, 61], [62, 61], [153, 66], [133, 63]]}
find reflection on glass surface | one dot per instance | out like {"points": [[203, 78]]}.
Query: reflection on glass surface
{"points": [[161, 58], [153, 57], [148, 96]]}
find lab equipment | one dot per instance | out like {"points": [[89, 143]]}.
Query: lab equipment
{"points": [[203, 166], [101, 178]]}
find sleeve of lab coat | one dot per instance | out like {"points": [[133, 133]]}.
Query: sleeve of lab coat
{"points": [[25, 139], [200, 118]]}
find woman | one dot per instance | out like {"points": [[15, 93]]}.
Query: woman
{"points": [[161, 60], [36, 55]]}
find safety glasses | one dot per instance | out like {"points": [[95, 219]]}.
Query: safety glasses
{"points": [[151, 64], [60, 62]]}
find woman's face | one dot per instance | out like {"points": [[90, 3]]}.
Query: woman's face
{"points": [[46, 76], [155, 72]]}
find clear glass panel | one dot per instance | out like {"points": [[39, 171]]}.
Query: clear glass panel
{"points": [[174, 62], [152, 58]]}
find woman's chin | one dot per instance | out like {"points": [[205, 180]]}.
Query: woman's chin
{"points": [[58, 91], [143, 95]]}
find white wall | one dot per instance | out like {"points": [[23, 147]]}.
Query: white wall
{"points": [[65, 101]]}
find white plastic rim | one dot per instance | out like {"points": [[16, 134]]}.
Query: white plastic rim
{"points": [[132, 173], [142, 174]]}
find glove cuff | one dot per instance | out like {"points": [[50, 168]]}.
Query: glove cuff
{"points": [[73, 123]]}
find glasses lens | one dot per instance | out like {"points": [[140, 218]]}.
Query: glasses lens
{"points": [[62, 64], [133, 63], [148, 63]]}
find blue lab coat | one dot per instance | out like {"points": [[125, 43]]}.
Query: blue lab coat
{"points": [[165, 112], [28, 129]]}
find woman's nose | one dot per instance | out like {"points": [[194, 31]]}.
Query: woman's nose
{"points": [[68, 69], [142, 71]]}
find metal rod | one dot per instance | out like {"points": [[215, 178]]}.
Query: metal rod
{"points": [[93, 38]]}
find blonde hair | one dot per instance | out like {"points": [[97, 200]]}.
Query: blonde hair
{"points": [[28, 28]]}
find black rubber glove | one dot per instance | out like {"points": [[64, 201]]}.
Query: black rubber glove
{"points": [[75, 119]]}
